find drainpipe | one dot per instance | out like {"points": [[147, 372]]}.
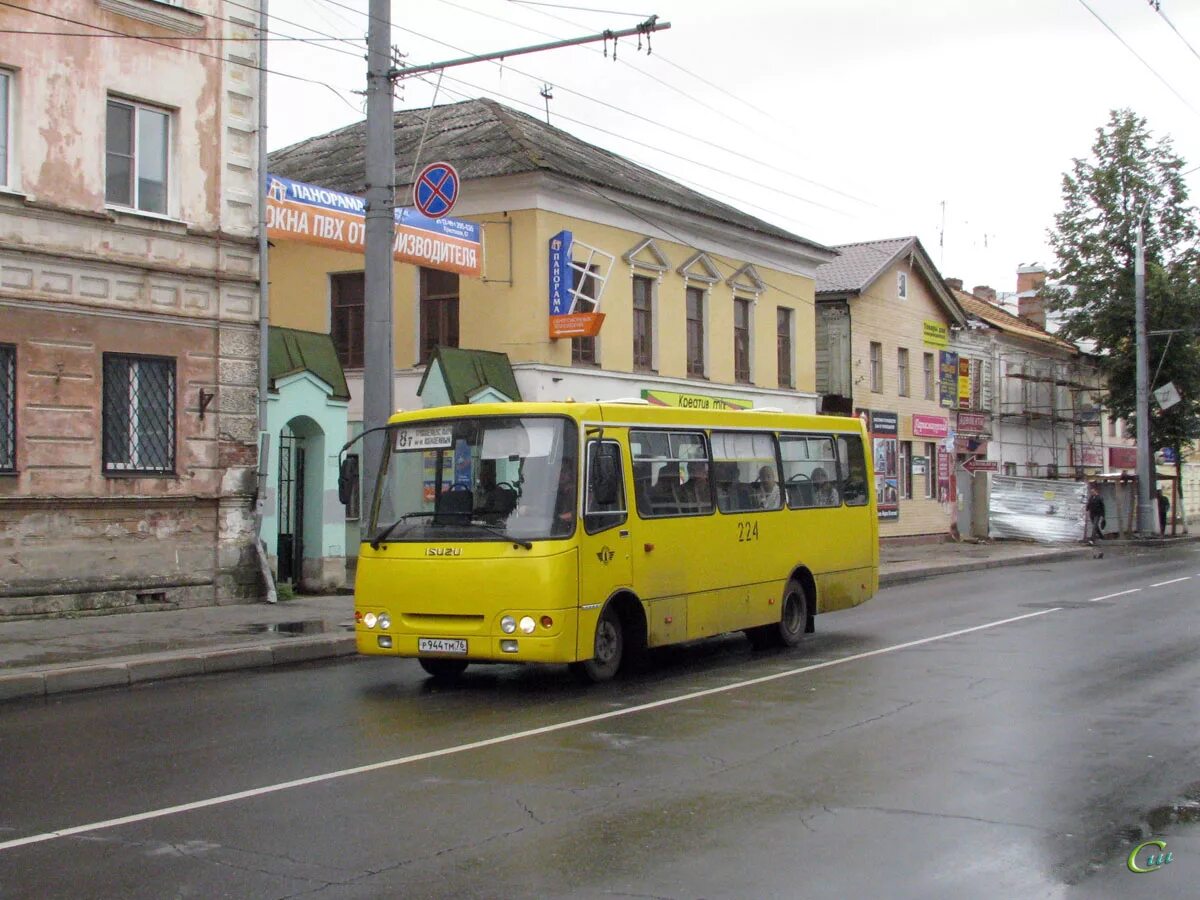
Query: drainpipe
{"points": [[263, 309]]}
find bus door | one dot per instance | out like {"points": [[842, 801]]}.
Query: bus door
{"points": [[604, 542]]}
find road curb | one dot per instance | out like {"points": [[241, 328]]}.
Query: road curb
{"points": [[891, 579], [45, 682]]}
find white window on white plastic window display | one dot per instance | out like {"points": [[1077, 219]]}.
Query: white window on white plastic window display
{"points": [[137, 152]]}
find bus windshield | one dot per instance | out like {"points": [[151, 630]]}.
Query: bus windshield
{"points": [[493, 478]]}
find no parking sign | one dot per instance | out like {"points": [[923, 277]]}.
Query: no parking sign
{"points": [[436, 190]]}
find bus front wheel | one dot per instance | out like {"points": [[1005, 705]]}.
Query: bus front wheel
{"points": [[608, 650], [443, 669], [793, 621]]}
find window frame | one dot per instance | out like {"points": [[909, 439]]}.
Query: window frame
{"points": [[131, 465], [876, 365], [929, 369], [355, 325], [442, 302], [904, 470], [645, 505], [752, 503], [695, 331], [930, 470], [743, 366], [584, 350], [7, 93], [785, 347], [596, 521], [137, 107], [902, 379], [643, 362], [8, 408], [901, 285]]}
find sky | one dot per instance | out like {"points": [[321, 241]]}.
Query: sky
{"points": [[838, 120]]}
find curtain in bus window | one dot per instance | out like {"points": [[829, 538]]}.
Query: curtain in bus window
{"points": [[745, 473]]}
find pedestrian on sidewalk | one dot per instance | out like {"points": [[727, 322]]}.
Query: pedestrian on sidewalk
{"points": [[1095, 511], [1164, 506]]}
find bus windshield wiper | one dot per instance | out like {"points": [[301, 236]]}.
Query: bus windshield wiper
{"points": [[384, 533], [520, 542]]}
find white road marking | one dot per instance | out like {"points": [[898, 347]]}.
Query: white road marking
{"points": [[491, 742], [1172, 581], [1110, 596]]}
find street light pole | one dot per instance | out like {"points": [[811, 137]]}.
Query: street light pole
{"points": [[1146, 514]]}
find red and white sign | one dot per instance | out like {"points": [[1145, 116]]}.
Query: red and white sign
{"points": [[930, 426], [972, 423], [975, 464]]}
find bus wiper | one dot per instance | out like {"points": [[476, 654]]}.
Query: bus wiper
{"points": [[385, 532], [520, 542]]}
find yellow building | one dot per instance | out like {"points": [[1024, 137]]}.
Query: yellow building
{"points": [[702, 303], [883, 324]]}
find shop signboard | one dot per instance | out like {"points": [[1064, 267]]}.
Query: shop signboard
{"points": [[693, 401], [884, 435], [924, 426], [947, 379]]}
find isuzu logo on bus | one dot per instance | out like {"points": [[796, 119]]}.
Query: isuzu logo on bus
{"points": [[443, 551]]}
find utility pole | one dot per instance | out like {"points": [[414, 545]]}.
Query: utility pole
{"points": [[378, 358], [547, 93], [378, 355], [1147, 514]]}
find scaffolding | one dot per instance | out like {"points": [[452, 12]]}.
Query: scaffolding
{"points": [[1053, 405]]}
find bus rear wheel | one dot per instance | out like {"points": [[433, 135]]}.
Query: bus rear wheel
{"points": [[443, 669], [792, 624], [608, 650]]}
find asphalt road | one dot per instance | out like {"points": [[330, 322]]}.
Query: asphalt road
{"points": [[1012, 733]]}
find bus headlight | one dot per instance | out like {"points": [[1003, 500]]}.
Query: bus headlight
{"points": [[370, 619], [385, 621], [527, 624], [508, 624]]}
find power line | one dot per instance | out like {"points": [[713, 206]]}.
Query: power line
{"points": [[623, 111], [138, 37], [221, 59], [1157, 7], [1154, 72]]}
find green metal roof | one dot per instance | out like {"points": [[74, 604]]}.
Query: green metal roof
{"points": [[466, 371], [290, 350]]}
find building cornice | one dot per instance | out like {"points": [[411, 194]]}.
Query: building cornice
{"points": [[163, 15]]}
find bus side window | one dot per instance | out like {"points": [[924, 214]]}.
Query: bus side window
{"points": [[604, 505], [853, 466]]}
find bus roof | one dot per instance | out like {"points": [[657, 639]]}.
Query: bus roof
{"points": [[619, 413]]}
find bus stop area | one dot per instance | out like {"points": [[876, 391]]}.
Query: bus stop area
{"points": [[50, 656]]}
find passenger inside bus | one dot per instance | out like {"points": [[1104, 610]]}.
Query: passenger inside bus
{"points": [[732, 495], [564, 503], [824, 493], [665, 496], [767, 488], [491, 499], [696, 493]]}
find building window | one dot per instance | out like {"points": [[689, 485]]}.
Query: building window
{"points": [[8, 408], [905, 471], [5, 107], [439, 311], [347, 312], [930, 471], [929, 381], [643, 322], [902, 371], [1010, 468], [1112, 426], [695, 331], [902, 285], [783, 346], [137, 147], [741, 340], [876, 366], [583, 349], [139, 414]]}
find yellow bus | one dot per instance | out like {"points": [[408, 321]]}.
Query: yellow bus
{"points": [[585, 533]]}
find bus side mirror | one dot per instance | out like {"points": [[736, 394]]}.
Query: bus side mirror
{"points": [[606, 475], [347, 479]]}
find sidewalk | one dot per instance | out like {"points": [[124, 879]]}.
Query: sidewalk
{"points": [[41, 657]]}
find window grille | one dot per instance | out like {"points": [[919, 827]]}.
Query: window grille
{"points": [[139, 414], [8, 408]]}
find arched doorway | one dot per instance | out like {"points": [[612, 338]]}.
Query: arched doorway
{"points": [[300, 491]]}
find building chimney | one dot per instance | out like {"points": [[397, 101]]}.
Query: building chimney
{"points": [[1030, 305], [955, 284], [983, 292]]}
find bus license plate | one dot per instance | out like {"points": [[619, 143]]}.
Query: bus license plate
{"points": [[441, 645]]}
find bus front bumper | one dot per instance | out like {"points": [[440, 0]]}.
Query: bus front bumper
{"points": [[553, 645]]}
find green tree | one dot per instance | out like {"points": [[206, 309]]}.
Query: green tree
{"points": [[1132, 173]]}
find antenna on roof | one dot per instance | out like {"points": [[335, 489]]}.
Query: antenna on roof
{"points": [[547, 93]]}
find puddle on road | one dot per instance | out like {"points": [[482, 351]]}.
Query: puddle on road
{"points": [[306, 626]]}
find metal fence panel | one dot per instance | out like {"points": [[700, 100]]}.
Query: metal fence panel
{"points": [[1037, 509]]}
